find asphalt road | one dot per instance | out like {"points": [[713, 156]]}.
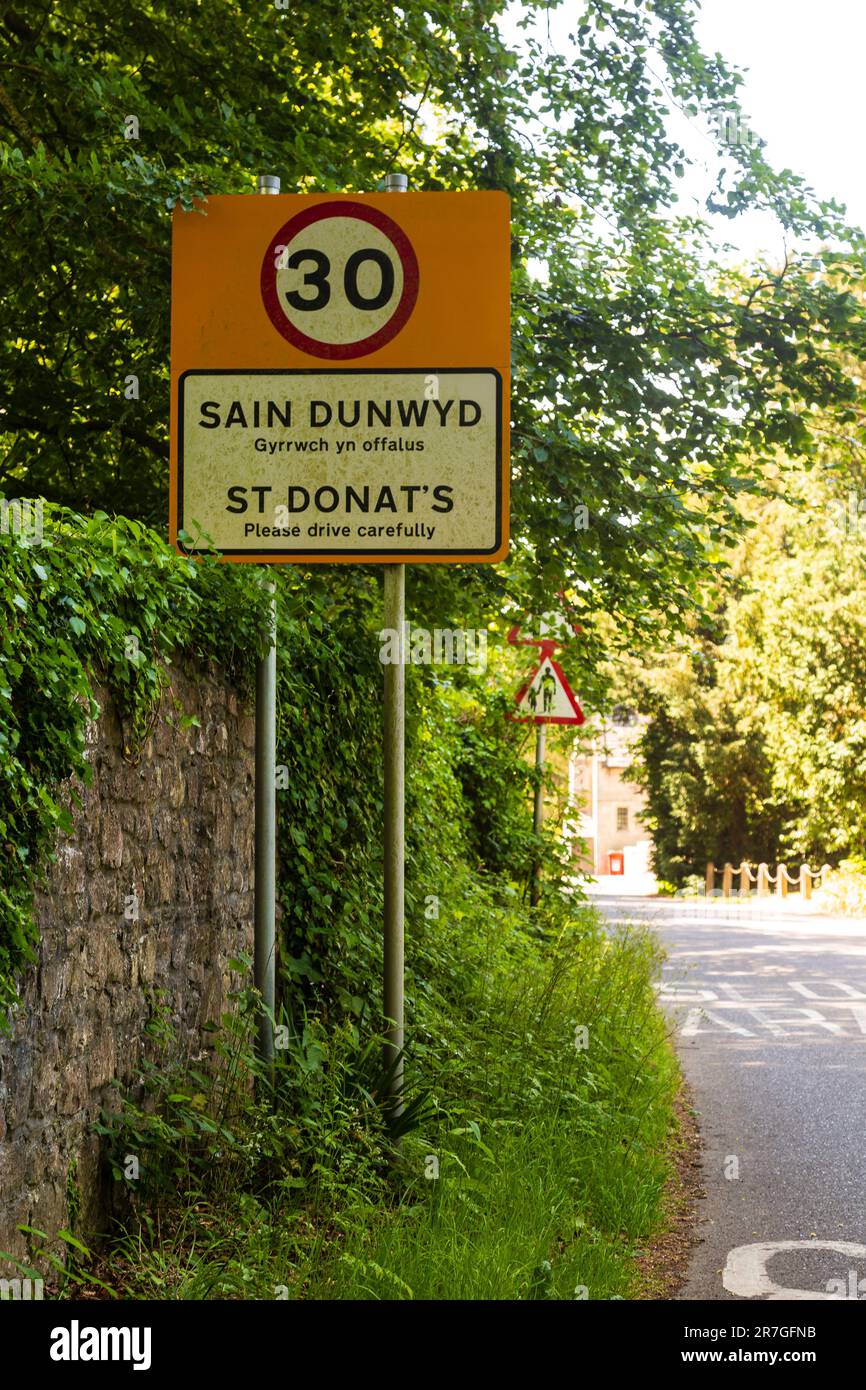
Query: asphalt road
{"points": [[769, 1007]]}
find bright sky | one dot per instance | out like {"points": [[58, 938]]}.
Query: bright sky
{"points": [[805, 90], [804, 94]]}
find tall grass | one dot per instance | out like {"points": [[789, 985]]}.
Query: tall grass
{"points": [[551, 1161], [541, 1084]]}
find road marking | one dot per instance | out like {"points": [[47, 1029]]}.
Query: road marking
{"points": [[736, 997], [672, 993], [745, 1273], [808, 1016], [693, 1022], [771, 1008], [802, 988]]}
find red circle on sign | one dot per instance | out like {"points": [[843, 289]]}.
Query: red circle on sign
{"points": [[314, 346]]}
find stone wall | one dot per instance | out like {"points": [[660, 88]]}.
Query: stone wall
{"points": [[176, 830]]}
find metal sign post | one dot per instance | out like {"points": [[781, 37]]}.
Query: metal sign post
{"points": [[264, 951], [394, 839], [538, 818], [264, 942], [393, 945]]}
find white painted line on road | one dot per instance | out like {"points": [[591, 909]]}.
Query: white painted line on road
{"points": [[772, 1010], [745, 1273], [692, 1025], [802, 988], [682, 994], [805, 1016], [709, 998]]}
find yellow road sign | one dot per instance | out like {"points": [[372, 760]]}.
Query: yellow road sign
{"points": [[340, 377]]}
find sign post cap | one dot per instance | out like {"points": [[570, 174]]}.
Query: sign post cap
{"points": [[396, 183], [268, 183]]}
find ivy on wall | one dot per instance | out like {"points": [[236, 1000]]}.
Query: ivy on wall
{"points": [[105, 602], [86, 602]]}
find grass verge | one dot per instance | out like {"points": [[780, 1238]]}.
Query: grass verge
{"points": [[541, 1088]]}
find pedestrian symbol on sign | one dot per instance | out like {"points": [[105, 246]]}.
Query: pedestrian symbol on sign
{"points": [[548, 685], [546, 698]]}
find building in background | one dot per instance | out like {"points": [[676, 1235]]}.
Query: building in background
{"points": [[606, 807]]}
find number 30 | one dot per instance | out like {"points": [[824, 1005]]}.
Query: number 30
{"points": [[318, 279]]}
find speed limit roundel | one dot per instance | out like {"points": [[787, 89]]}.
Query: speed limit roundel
{"points": [[339, 280]]}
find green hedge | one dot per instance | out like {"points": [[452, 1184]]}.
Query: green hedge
{"points": [[105, 601], [94, 601]]}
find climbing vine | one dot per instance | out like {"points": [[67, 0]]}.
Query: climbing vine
{"points": [[84, 603]]}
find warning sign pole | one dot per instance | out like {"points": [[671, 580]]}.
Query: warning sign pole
{"points": [[538, 820], [264, 947], [394, 838], [548, 684]]}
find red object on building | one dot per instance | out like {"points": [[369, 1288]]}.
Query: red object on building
{"points": [[616, 863]]}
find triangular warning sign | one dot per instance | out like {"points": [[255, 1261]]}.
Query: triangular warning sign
{"points": [[546, 698]]}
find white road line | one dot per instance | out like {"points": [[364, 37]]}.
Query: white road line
{"points": [[745, 1273], [692, 1024]]}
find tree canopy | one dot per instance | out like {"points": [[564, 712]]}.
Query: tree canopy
{"points": [[644, 368], [757, 732]]}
